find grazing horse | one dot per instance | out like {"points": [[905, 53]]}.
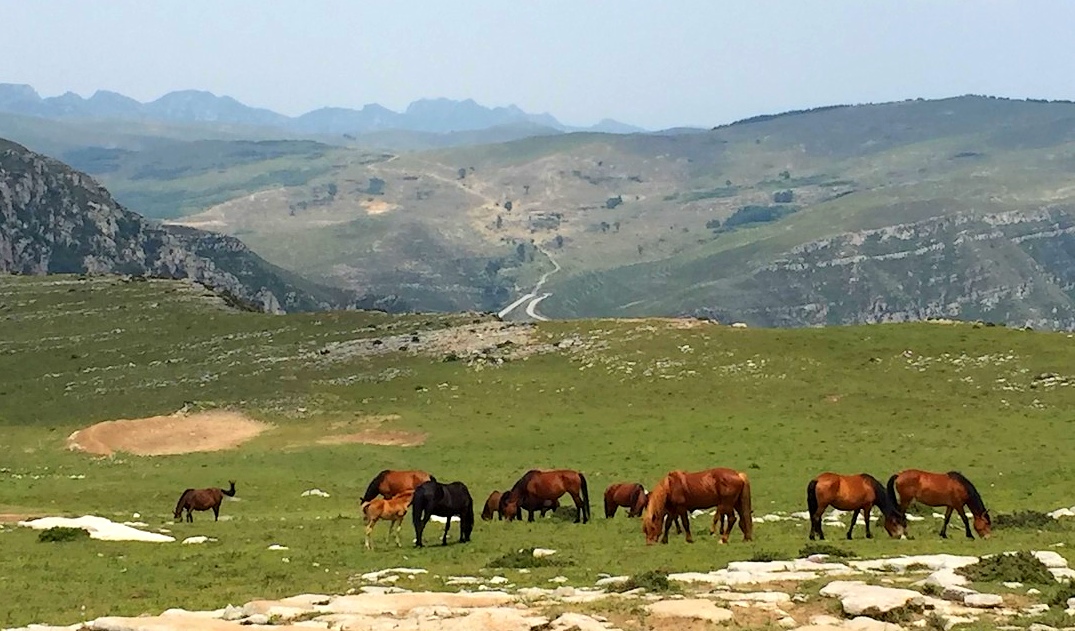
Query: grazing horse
{"points": [[680, 492], [445, 500], [389, 483], [492, 505], [631, 496], [203, 499], [942, 489], [855, 493], [394, 510], [539, 487]]}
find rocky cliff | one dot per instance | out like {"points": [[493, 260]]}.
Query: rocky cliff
{"points": [[54, 219]]}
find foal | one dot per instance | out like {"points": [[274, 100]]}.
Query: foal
{"points": [[394, 510]]}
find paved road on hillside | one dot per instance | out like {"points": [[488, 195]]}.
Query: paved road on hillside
{"points": [[534, 296]]}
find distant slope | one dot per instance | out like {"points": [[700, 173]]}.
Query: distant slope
{"points": [[958, 207], [56, 220]]}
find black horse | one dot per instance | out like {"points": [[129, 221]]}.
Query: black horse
{"points": [[445, 500]]}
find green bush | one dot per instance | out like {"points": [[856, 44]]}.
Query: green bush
{"points": [[1023, 519], [654, 581], [61, 534], [1059, 598], [763, 556], [1022, 567], [824, 548]]}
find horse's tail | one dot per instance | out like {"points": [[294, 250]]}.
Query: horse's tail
{"points": [[746, 511], [891, 488], [974, 499], [811, 499], [182, 501], [585, 497], [230, 492], [371, 490]]}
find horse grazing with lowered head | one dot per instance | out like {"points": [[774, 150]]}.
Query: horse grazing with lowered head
{"points": [[444, 500], [539, 488], [680, 492], [203, 499], [852, 493], [394, 510], [631, 496], [951, 489], [492, 505], [389, 483]]}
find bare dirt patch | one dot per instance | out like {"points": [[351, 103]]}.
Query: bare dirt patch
{"points": [[377, 207], [177, 433]]}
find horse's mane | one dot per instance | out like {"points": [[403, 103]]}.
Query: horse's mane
{"points": [[371, 490], [520, 485], [182, 499], [656, 503], [882, 500], [974, 499]]}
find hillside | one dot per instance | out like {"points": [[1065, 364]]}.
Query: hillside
{"points": [[54, 220], [340, 394], [957, 208]]}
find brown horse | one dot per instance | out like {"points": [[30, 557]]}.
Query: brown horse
{"points": [[631, 496], [538, 487], [394, 510], [942, 489], [680, 492], [389, 483], [855, 493], [492, 505], [203, 499]]}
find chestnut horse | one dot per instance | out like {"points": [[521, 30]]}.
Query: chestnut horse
{"points": [[492, 505], [389, 483], [950, 489], [538, 487], [680, 492], [854, 493], [631, 496], [394, 510], [203, 499]]}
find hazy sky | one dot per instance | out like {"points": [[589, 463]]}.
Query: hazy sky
{"points": [[654, 63]]}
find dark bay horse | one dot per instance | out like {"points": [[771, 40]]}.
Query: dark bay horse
{"points": [[951, 489], [444, 500], [203, 499], [631, 496], [852, 493], [492, 505], [680, 492], [389, 483], [538, 486]]}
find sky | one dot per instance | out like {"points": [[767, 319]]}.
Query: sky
{"points": [[656, 64]]}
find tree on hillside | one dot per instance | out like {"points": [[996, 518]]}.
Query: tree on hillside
{"points": [[376, 186], [616, 226], [613, 202], [462, 173], [783, 197], [559, 241], [785, 175], [499, 222], [526, 189], [508, 205]]}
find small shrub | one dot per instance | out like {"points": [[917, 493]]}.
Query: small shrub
{"points": [[929, 589], [61, 534], [653, 581], [1059, 598], [918, 567], [1022, 567], [1023, 519], [825, 548], [763, 556], [525, 559], [935, 621]]}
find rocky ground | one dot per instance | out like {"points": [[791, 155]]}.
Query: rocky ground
{"points": [[864, 595]]}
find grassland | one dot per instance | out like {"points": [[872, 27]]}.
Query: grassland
{"points": [[624, 400]]}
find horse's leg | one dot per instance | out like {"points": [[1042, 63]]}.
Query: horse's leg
{"points": [[944, 526], [866, 516], [575, 497], [854, 518], [419, 528], [190, 515], [216, 512], [677, 520], [531, 515], [966, 523], [447, 525], [369, 533], [726, 531], [815, 522], [687, 528], [669, 519]]}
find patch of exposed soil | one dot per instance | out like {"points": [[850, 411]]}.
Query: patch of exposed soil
{"points": [[11, 518], [396, 438], [177, 433], [377, 207]]}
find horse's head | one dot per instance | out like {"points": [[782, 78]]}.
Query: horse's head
{"points": [[491, 505], [983, 525], [509, 505], [654, 515], [896, 524]]}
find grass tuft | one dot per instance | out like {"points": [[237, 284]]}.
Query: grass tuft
{"points": [[653, 581], [1023, 519], [825, 548]]}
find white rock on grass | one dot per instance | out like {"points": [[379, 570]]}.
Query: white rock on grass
{"points": [[956, 593], [277, 546], [577, 622], [930, 561], [859, 599], [945, 577], [691, 609], [612, 580], [99, 528], [862, 623], [373, 577], [315, 493], [1062, 512], [196, 540], [983, 601], [543, 552], [1051, 559], [753, 597]]}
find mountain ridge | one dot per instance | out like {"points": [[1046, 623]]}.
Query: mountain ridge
{"points": [[434, 115]]}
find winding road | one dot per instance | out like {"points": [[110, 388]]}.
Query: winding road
{"points": [[534, 296]]}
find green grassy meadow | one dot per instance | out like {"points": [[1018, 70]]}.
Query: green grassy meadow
{"points": [[625, 400]]}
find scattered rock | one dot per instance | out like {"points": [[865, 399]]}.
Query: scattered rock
{"points": [[277, 546], [690, 608], [543, 552], [859, 599], [315, 493], [99, 528], [195, 540], [983, 601]]}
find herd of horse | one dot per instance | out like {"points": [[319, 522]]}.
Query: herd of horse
{"points": [[670, 503]]}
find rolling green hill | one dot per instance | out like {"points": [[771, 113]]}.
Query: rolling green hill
{"points": [[481, 401]]}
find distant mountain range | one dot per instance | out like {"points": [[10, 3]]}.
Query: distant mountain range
{"points": [[439, 116]]}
